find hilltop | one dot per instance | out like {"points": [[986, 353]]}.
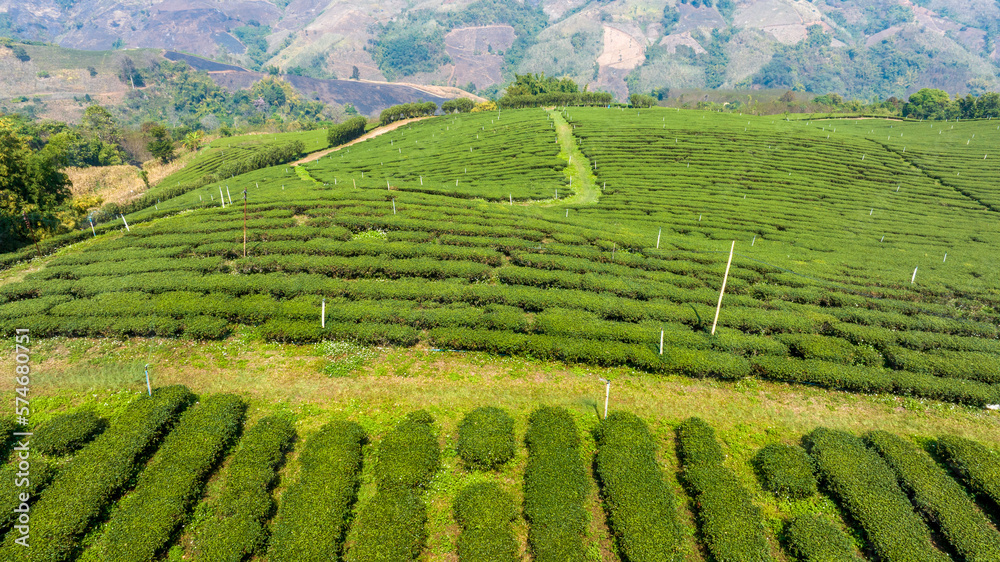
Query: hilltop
{"points": [[856, 48]]}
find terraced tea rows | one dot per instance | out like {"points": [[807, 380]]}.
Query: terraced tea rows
{"points": [[322, 515]]}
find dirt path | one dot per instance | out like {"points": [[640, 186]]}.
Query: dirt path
{"points": [[581, 180], [369, 135]]}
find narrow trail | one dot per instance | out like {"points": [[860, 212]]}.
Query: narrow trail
{"points": [[581, 180], [369, 135]]}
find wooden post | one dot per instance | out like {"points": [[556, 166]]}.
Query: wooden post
{"points": [[725, 278]]}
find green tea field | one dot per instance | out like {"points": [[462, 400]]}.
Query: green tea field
{"points": [[395, 352]]}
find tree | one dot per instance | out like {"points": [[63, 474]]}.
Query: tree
{"points": [[31, 184], [161, 146], [99, 123], [355, 73], [192, 140], [641, 100], [928, 103], [20, 54], [787, 97]]}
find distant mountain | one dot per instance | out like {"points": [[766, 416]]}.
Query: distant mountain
{"points": [[858, 48]]}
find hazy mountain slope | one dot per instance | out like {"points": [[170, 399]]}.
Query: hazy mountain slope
{"points": [[857, 47]]}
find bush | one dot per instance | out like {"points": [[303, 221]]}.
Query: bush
{"points": [[144, 521], [392, 526], [409, 455], [236, 530], [459, 105], [976, 465], [867, 489], [939, 497], [314, 512], [786, 470], [407, 111], [555, 487], [814, 538], [98, 473], [7, 441], [67, 433], [486, 438], [484, 512], [10, 493], [346, 131], [642, 512], [732, 526]]}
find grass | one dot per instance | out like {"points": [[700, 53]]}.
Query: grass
{"points": [[387, 383]]}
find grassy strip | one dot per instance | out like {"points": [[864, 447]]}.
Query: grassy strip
{"points": [[786, 470], [814, 538], [978, 466], [393, 525], [486, 438], [731, 525], [939, 497], [237, 529], [313, 515], [867, 489], [485, 511], [77, 497], [67, 433], [555, 487], [143, 523], [641, 507]]}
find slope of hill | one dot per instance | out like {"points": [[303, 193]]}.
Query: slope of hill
{"points": [[859, 48], [417, 236]]}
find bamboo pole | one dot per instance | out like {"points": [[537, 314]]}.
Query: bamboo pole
{"points": [[725, 278]]}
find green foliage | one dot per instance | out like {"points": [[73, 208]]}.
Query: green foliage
{"points": [[978, 466], [786, 470], [237, 528], [142, 524], [731, 525], [392, 526], [458, 105], [161, 146], [263, 157], [254, 36], [486, 438], [484, 512], [7, 438], [406, 111], [84, 489], [939, 497], [642, 511], [641, 100], [555, 98], [347, 131], [814, 538], [314, 512], [12, 486], [67, 433], [867, 489], [555, 487]]}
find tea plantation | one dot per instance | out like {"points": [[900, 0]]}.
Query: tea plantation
{"points": [[858, 266], [135, 490]]}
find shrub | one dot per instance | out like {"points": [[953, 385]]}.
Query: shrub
{"points": [[866, 488], [314, 512], [143, 522], [939, 497], [392, 526], [10, 493], [814, 538], [346, 131], [555, 487], [641, 507], [98, 473], [484, 512], [459, 105], [977, 466], [236, 530], [7, 429], [786, 470], [486, 438], [67, 433], [409, 455], [730, 523]]}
